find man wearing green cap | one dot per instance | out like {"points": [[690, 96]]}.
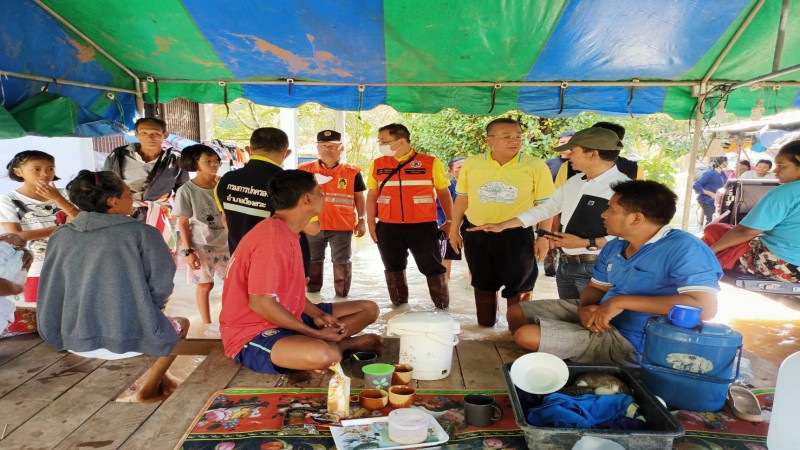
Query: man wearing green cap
{"points": [[580, 201]]}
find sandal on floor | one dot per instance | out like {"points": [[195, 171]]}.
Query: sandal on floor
{"points": [[744, 404]]}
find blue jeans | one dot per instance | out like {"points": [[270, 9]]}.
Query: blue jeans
{"points": [[573, 278]]}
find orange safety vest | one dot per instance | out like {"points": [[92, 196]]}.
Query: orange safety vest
{"points": [[339, 212], [407, 195]]}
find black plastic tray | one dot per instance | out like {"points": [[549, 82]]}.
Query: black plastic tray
{"points": [[663, 426]]}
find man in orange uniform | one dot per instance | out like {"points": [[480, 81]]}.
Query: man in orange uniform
{"points": [[401, 213], [344, 189]]}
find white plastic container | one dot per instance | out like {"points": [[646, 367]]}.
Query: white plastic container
{"points": [[427, 340], [782, 434], [408, 426]]}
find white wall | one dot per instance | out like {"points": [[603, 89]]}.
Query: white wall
{"points": [[288, 123], [71, 154], [206, 122]]}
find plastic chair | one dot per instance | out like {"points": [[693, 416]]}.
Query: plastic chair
{"points": [[783, 434]]}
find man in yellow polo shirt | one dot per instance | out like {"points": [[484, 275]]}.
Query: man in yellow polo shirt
{"points": [[401, 213], [501, 183]]}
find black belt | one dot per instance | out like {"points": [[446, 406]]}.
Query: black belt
{"points": [[578, 258]]}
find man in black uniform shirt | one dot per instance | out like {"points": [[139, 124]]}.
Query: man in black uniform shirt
{"points": [[242, 194]]}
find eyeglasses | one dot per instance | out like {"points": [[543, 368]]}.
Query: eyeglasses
{"points": [[507, 137], [387, 142]]}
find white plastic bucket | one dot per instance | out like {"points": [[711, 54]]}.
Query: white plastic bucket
{"points": [[427, 340]]}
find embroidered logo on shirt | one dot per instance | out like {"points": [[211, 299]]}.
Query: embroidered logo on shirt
{"points": [[499, 192]]}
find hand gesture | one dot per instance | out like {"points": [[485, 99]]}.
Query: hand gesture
{"points": [[585, 314], [490, 227], [193, 261], [326, 320], [540, 249], [333, 334], [566, 240], [445, 229], [361, 229], [456, 242], [48, 190], [373, 232], [13, 239], [27, 259], [602, 315]]}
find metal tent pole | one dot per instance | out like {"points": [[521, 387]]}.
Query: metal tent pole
{"points": [[782, 24], [739, 144], [768, 76], [698, 119], [689, 83], [138, 89], [66, 82], [698, 128], [750, 16]]}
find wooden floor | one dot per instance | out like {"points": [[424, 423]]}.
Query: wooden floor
{"points": [[63, 401]]}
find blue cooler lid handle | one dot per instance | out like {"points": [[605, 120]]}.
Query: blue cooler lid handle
{"points": [[644, 338], [738, 361]]}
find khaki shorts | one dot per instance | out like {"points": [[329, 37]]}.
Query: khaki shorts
{"points": [[564, 336]]}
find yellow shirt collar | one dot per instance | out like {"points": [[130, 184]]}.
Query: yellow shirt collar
{"points": [[406, 156], [490, 157], [263, 158]]}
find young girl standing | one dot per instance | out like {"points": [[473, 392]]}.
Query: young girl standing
{"points": [[34, 210], [202, 231]]}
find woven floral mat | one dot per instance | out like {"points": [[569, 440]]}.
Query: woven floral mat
{"points": [[257, 419], [723, 430]]}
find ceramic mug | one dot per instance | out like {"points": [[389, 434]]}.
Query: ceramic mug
{"points": [[685, 316], [378, 376], [480, 410], [401, 396], [360, 359], [402, 374], [373, 399]]}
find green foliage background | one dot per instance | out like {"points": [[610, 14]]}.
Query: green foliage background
{"points": [[657, 141]]}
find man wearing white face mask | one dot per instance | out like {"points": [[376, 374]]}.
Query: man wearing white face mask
{"points": [[401, 213]]}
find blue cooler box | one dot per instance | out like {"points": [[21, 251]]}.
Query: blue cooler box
{"points": [[690, 368]]}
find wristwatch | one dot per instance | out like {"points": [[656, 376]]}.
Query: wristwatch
{"points": [[362, 217], [592, 245], [187, 251]]}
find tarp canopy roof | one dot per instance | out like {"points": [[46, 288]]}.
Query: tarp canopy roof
{"points": [[547, 57]]}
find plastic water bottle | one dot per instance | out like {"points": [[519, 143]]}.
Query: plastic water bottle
{"points": [[783, 433]]}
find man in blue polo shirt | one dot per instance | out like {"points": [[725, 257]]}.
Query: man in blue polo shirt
{"points": [[644, 272]]}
